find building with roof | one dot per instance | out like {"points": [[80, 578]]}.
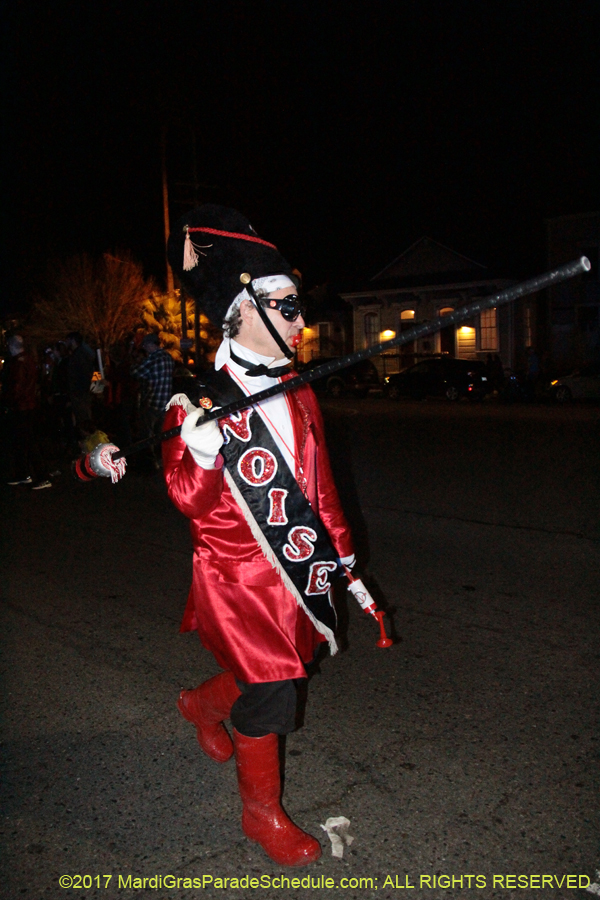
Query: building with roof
{"points": [[429, 280]]}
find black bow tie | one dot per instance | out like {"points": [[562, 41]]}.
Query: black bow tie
{"points": [[255, 370]]}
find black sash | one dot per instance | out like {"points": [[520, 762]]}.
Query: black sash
{"points": [[298, 540]]}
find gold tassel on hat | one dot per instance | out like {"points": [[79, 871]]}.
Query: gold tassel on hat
{"points": [[190, 257]]}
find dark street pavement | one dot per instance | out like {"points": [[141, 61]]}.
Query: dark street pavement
{"points": [[468, 748]]}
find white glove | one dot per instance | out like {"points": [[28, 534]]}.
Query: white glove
{"points": [[348, 561], [204, 442]]}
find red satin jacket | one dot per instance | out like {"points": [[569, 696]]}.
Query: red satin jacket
{"points": [[243, 613]]}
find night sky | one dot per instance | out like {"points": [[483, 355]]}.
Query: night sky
{"points": [[345, 132]]}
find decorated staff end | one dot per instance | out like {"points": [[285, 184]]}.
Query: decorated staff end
{"points": [[357, 588], [100, 463]]}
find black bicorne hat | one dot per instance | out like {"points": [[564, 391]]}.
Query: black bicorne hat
{"points": [[215, 252]]}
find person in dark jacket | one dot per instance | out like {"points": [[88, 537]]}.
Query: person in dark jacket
{"points": [[20, 396], [81, 367]]}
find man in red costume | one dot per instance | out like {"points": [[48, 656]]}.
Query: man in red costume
{"points": [[267, 525]]}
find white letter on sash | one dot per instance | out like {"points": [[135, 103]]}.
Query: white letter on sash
{"points": [[277, 514], [238, 426], [257, 466], [300, 547], [318, 580]]}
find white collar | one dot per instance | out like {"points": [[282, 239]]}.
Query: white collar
{"points": [[223, 356]]}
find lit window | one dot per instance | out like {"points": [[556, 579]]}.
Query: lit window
{"points": [[407, 314], [488, 329], [371, 329], [446, 310]]}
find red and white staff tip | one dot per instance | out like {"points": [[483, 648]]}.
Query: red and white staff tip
{"points": [[100, 464], [368, 605]]}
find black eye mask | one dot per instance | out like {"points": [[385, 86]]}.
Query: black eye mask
{"points": [[290, 306], [268, 324]]}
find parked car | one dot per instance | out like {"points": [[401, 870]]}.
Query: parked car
{"points": [[583, 384], [357, 379], [440, 377]]}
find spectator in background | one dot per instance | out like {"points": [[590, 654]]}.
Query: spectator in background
{"points": [[496, 373], [62, 426], [156, 375], [81, 367], [21, 397], [122, 393]]}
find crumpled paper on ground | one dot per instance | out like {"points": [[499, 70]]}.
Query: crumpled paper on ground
{"points": [[337, 829], [594, 888]]}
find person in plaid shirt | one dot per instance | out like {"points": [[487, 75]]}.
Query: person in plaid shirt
{"points": [[156, 373]]}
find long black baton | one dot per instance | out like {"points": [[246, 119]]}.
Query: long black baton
{"points": [[562, 273]]}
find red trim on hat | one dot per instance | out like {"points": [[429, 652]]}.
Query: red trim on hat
{"points": [[233, 234]]}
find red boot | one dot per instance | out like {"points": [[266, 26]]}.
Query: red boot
{"points": [[207, 706], [263, 819]]}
